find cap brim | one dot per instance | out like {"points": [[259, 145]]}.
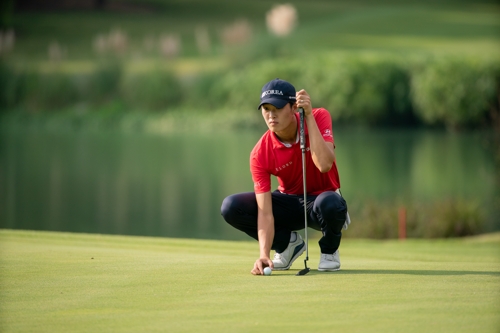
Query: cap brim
{"points": [[277, 102]]}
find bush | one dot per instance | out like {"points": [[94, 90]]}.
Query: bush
{"points": [[354, 87], [454, 91], [201, 92], [242, 88], [159, 90], [50, 91], [452, 219], [362, 89], [105, 81], [12, 87], [447, 218]]}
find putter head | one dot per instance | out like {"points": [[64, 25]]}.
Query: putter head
{"points": [[305, 270]]}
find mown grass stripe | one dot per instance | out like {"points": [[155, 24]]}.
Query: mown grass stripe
{"points": [[52, 282]]}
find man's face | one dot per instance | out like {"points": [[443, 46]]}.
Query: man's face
{"points": [[278, 119]]}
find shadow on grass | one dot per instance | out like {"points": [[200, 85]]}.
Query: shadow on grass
{"points": [[392, 272]]}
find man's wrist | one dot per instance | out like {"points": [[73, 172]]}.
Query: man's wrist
{"points": [[265, 255]]}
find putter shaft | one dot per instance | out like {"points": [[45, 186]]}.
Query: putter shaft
{"points": [[303, 148]]}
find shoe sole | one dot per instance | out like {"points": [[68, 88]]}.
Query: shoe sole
{"points": [[298, 254], [328, 269]]}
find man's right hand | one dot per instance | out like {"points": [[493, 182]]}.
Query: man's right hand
{"points": [[260, 264]]}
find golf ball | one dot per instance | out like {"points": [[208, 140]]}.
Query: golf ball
{"points": [[267, 271]]}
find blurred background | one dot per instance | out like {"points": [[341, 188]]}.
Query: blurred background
{"points": [[137, 117]]}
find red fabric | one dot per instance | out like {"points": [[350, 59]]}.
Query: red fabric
{"points": [[271, 157]]}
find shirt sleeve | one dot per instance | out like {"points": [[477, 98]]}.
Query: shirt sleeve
{"points": [[324, 122], [260, 176]]}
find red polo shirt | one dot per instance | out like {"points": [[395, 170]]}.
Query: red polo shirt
{"points": [[271, 157]]}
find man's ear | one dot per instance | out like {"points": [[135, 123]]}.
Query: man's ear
{"points": [[294, 107]]}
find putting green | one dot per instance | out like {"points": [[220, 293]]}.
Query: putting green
{"points": [[62, 282]]}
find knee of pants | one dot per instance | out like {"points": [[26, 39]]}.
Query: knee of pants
{"points": [[237, 205], [330, 205], [227, 208]]}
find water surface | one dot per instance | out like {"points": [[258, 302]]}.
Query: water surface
{"points": [[173, 185]]}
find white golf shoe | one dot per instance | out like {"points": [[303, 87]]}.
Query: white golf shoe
{"points": [[282, 261], [329, 262]]}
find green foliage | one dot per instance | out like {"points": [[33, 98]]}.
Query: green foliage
{"points": [[105, 81], [352, 87], [455, 91], [373, 221], [6, 13], [453, 219], [374, 89], [362, 89], [407, 25], [12, 87], [158, 90], [51, 91], [209, 91], [355, 87], [442, 219]]}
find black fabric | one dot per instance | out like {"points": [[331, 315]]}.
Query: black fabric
{"points": [[325, 212]]}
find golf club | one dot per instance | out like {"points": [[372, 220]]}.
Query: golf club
{"points": [[303, 147]]}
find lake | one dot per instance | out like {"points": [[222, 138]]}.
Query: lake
{"points": [[173, 185]]}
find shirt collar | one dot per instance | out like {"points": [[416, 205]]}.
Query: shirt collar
{"points": [[277, 143]]}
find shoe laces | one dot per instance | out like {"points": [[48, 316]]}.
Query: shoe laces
{"points": [[277, 256], [328, 257]]}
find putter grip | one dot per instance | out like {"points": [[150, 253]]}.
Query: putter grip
{"points": [[302, 133]]}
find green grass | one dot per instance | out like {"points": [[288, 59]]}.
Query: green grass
{"points": [[61, 282], [404, 26]]}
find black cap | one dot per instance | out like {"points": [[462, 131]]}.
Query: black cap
{"points": [[278, 93]]}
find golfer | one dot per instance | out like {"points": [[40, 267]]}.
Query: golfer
{"points": [[273, 218]]}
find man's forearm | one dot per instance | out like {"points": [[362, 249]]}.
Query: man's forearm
{"points": [[266, 234], [322, 155]]}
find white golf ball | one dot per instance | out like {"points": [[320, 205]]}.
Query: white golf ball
{"points": [[267, 271]]}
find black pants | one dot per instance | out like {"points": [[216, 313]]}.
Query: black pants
{"points": [[326, 212]]}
